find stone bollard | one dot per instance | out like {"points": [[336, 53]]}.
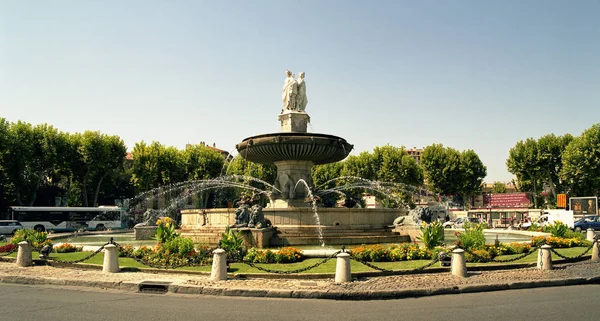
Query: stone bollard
{"points": [[219, 265], [544, 258], [24, 255], [590, 234], [111, 259], [342, 268], [459, 264], [595, 251]]}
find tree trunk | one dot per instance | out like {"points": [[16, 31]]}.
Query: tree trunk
{"points": [[18, 196], [98, 190], [37, 187], [84, 188], [534, 194]]}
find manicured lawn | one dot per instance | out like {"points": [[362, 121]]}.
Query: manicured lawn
{"points": [[569, 252], [328, 267]]}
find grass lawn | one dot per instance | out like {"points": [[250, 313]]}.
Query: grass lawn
{"points": [[569, 252], [328, 267]]}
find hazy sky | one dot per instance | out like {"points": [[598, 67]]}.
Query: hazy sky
{"points": [[478, 75]]}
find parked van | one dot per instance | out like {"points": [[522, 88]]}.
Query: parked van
{"points": [[9, 226], [551, 216]]}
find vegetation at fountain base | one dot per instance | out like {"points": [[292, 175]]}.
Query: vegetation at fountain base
{"points": [[328, 267], [37, 239], [432, 234]]}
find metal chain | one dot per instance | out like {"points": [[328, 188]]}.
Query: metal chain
{"points": [[578, 256], [517, 257], [507, 260], [80, 260], [541, 260], [398, 272], [293, 271]]}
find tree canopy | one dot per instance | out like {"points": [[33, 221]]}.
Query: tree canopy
{"points": [[450, 172]]}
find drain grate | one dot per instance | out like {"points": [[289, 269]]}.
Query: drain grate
{"points": [[154, 287]]}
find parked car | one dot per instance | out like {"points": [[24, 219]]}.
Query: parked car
{"points": [[460, 222], [9, 226], [586, 222]]}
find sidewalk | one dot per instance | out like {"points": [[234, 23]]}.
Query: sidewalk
{"points": [[367, 288]]}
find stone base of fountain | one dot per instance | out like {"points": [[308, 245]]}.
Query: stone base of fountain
{"points": [[296, 226], [411, 231], [145, 232], [210, 235]]}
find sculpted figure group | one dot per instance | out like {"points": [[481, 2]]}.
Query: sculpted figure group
{"points": [[246, 216], [294, 92]]}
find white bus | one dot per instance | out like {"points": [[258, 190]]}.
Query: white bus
{"points": [[69, 218]]}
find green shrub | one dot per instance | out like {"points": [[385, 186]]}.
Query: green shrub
{"points": [[401, 252], [259, 256], [558, 229], [432, 235], [140, 252], [68, 248], [37, 239], [125, 251], [472, 238], [181, 246], [166, 230], [478, 256], [558, 242], [288, 255], [233, 243]]}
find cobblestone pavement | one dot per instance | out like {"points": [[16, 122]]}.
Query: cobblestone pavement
{"points": [[39, 274]]}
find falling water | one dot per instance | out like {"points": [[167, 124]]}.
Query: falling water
{"points": [[314, 208]]}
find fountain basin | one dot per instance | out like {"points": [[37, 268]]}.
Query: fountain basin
{"points": [[296, 226], [275, 147]]}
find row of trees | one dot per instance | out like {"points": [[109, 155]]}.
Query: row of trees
{"points": [[40, 163], [38, 159], [551, 164], [444, 170]]}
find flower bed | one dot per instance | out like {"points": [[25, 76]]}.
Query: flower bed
{"points": [[7, 248], [67, 248], [284, 255]]}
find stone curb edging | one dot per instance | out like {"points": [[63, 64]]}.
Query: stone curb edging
{"points": [[308, 294], [489, 267]]}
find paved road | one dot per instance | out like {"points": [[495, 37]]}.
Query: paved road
{"points": [[23, 302]]}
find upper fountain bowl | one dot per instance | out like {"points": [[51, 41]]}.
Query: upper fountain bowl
{"points": [[270, 148]]}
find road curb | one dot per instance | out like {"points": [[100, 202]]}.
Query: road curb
{"points": [[132, 286]]}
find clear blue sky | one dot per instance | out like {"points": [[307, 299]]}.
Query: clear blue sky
{"points": [[478, 75]]}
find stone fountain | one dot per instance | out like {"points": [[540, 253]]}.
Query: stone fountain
{"points": [[294, 218]]}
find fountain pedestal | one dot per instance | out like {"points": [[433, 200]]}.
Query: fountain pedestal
{"points": [[293, 121], [293, 191]]}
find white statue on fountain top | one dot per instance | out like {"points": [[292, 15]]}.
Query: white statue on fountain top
{"points": [[301, 101], [294, 92]]}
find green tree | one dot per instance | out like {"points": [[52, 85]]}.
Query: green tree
{"points": [[98, 156], [442, 168], [499, 188], [393, 164], [202, 162], [450, 172], [581, 163], [537, 164], [4, 153], [323, 177], [360, 166], [550, 152], [523, 162], [473, 172]]}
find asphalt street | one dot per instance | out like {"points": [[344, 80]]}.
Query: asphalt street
{"points": [[25, 302]]}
